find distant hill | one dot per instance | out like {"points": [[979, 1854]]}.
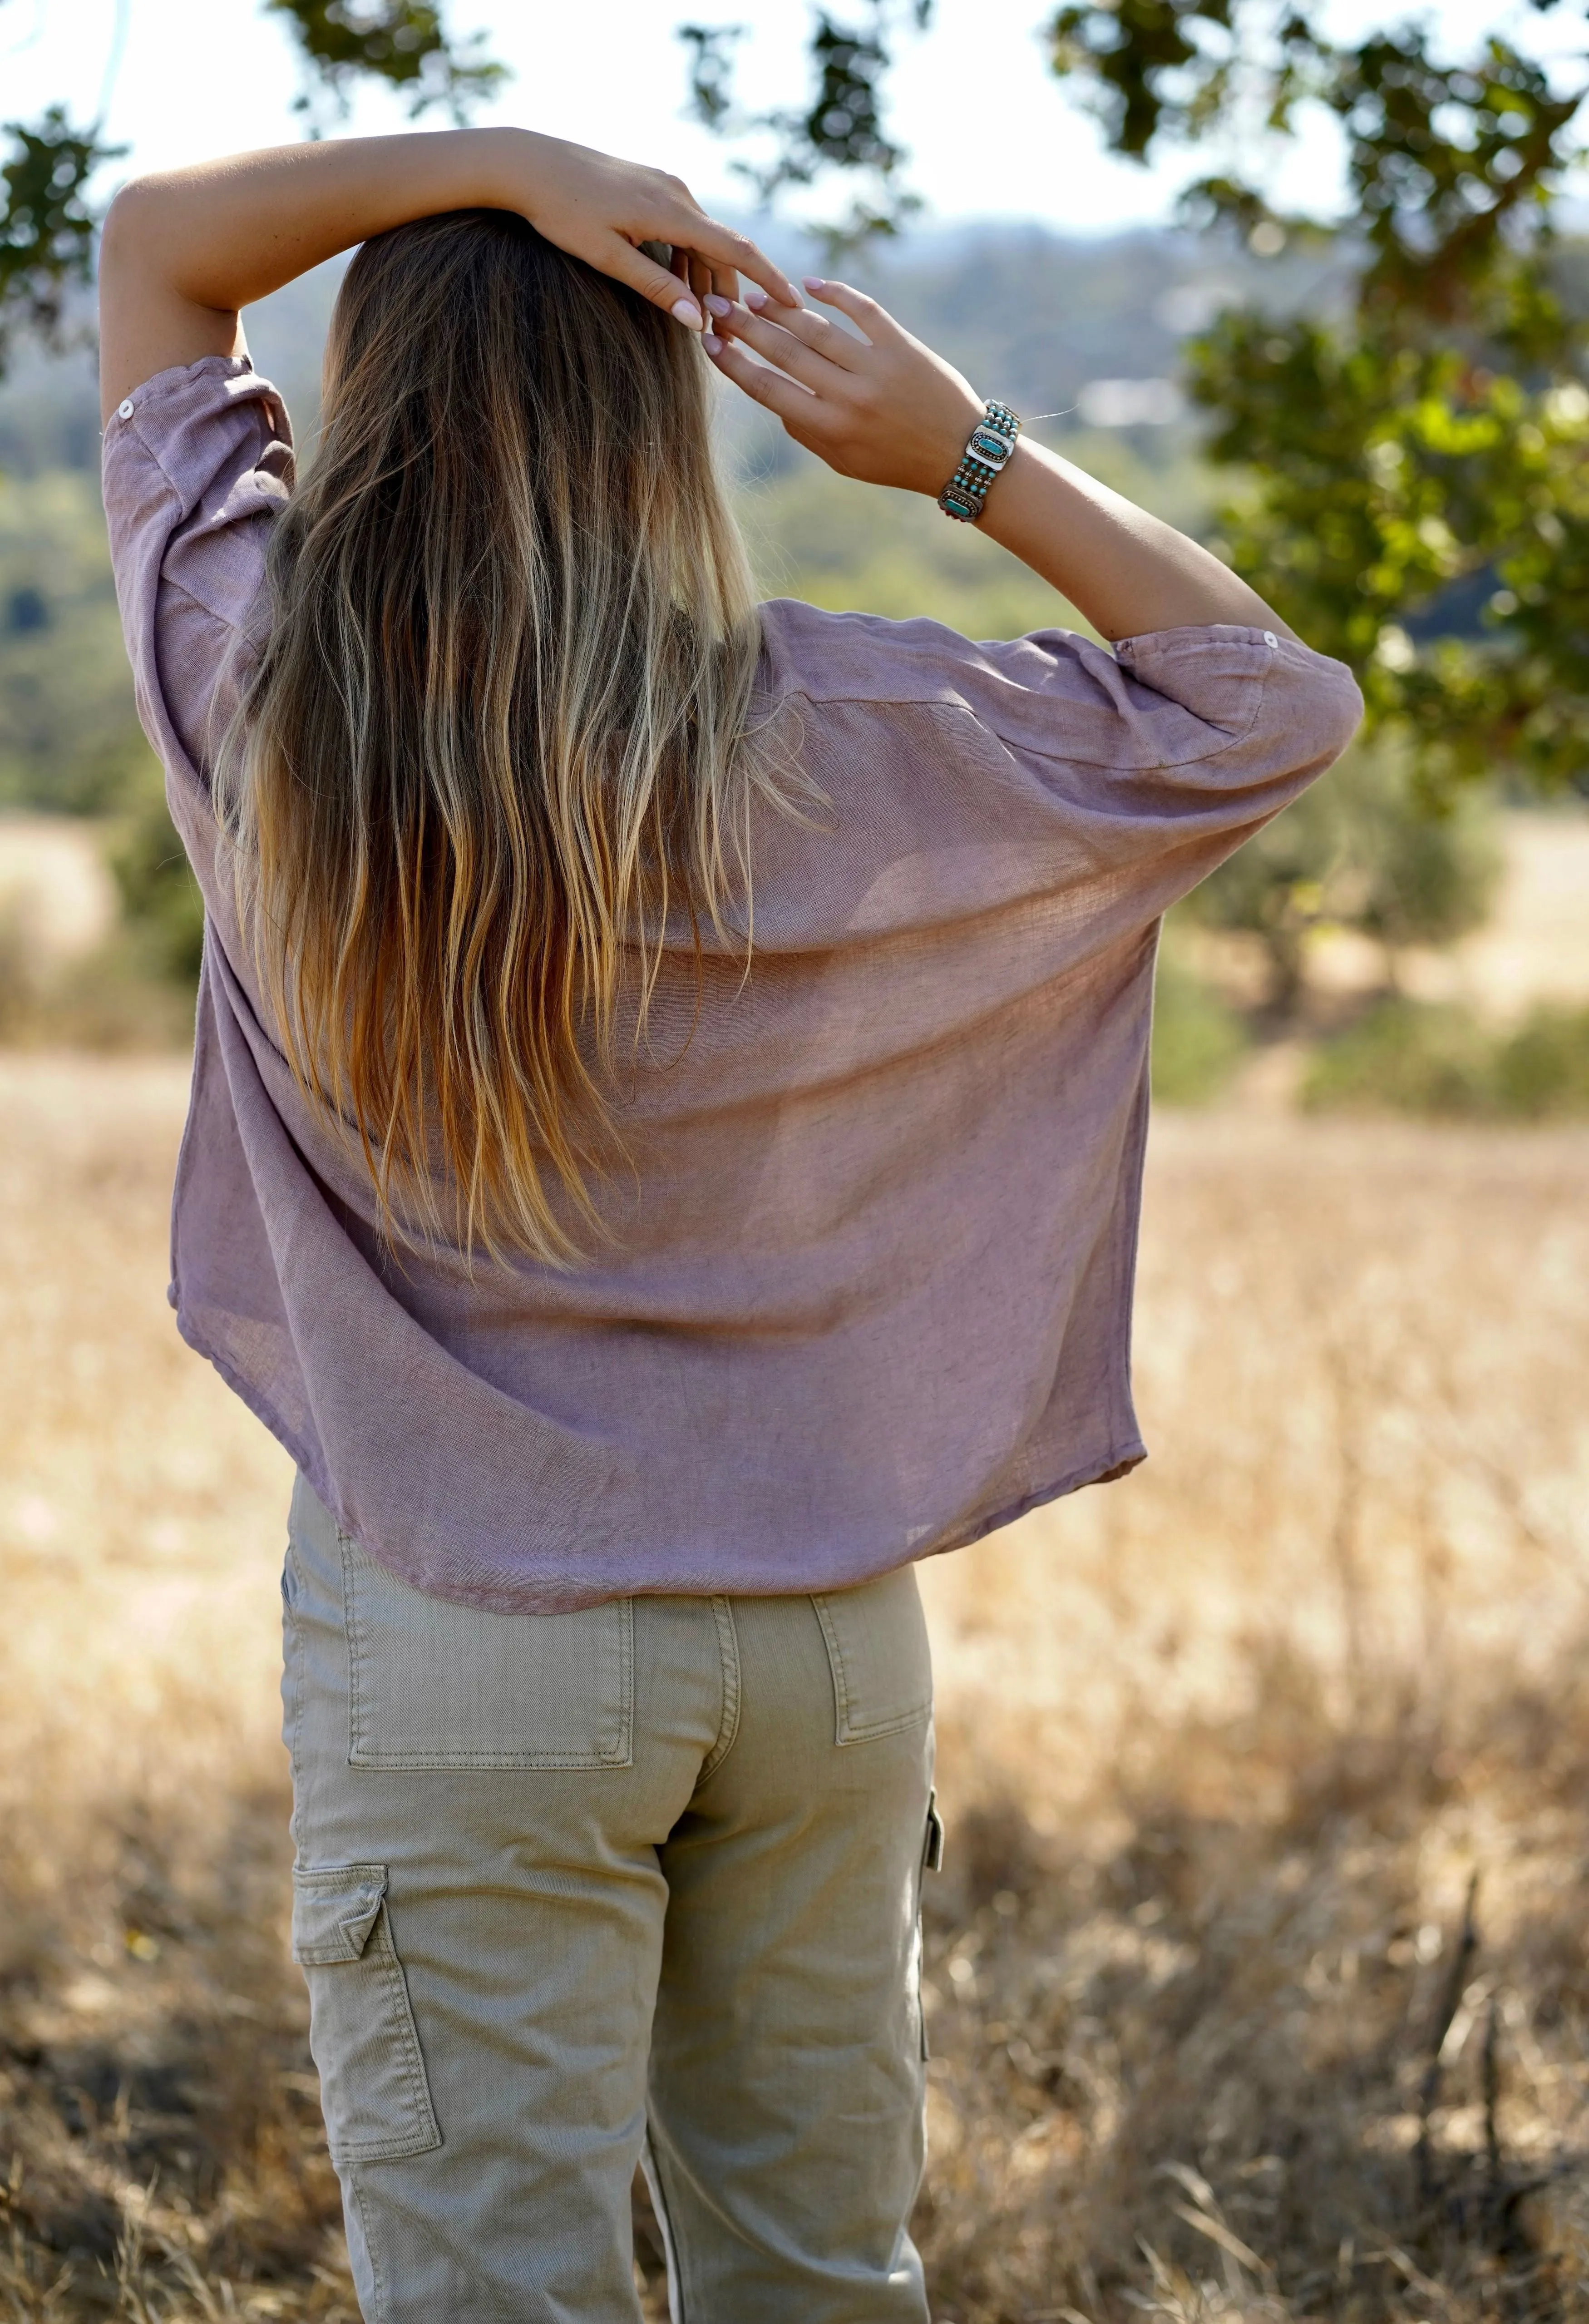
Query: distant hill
{"points": [[1026, 313], [1036, 317]]}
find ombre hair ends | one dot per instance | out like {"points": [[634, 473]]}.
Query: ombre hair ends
{"points": [[499, 746]]}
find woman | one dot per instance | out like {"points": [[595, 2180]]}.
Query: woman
{"points": [[668, 1116]]}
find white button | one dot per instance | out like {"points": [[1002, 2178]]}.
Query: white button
{"points": [[1270, 639], [125, 411]]}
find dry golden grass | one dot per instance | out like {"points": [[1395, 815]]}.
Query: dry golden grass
{"points": [[1223, 1749]]}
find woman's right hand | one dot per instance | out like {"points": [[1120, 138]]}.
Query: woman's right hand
{"points": [[185, 250], [601, 209]]}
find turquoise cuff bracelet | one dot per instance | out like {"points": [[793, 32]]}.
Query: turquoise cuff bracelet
{"points": [[987, 452]]}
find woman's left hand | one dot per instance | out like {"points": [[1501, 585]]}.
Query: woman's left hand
{"points": [[873, 403]]}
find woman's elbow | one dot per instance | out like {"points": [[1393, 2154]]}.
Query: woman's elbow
{"points": [[127, 245], [1340, 711], [131, 225]]}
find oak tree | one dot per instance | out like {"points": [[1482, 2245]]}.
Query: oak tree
{"points": [[1409, 480]]}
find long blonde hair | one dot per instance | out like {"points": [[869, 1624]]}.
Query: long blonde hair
{"points": [[499, 746]]}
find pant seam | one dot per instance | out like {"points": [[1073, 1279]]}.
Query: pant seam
{"points": [[377, 2283], [652, 2169], [294, 1659], [350, 1628], [728, 1650]]}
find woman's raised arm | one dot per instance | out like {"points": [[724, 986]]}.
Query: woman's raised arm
{"points": [[883, 408], [185, 250]]}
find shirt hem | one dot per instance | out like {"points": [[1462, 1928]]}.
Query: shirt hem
{"points": [[243, 1388], [511, 1598], [1118, 1464]]}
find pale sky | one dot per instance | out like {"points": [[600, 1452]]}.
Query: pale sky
{"points": [[992, 136]]}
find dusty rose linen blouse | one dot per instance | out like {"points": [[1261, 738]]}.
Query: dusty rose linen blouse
{"points": [[870, 1291]]}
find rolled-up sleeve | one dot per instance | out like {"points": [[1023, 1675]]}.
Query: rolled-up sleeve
{"points": [[1174, 747], [1272, 709], [198, 464]]}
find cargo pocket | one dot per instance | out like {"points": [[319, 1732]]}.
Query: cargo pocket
{"points": [[374, 2092], [877, 1640]]}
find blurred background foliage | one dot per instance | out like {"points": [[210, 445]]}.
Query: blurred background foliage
{"points": [[1434, 1058], [1363, 851], [1407, 479], [67, 738], [1380, 419]]}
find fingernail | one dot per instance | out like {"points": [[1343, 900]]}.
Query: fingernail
{"points": [[684, 311], [754, 297], [814, 281], [716, 306], [712, 343]]}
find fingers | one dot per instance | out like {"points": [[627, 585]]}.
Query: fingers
{"points": [[640, 206], [665, 287], [792, 402], [604, 211], [709, 281], [814, 331], [707, 260], [873, 320], [683, 287], [794, 351], [736, 254], [702, 281]]}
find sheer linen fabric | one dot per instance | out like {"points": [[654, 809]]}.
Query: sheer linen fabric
{"points": [[869, 1290]]}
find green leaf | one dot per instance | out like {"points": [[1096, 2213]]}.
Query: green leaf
{"points": [[46, 225], [840, 128], [402, 42]]}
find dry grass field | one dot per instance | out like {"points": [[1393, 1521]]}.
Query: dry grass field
{"points": [[1256, 1975]]}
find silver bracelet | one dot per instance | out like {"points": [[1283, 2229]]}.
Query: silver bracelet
{"points": [[987, 452]]}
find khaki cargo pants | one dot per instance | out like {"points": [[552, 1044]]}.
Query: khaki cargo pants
{"points": [[639, 1883]]}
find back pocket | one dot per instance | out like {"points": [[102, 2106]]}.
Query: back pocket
{"points": [[436, 1684], [877, 1638], [373, 2090]]}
